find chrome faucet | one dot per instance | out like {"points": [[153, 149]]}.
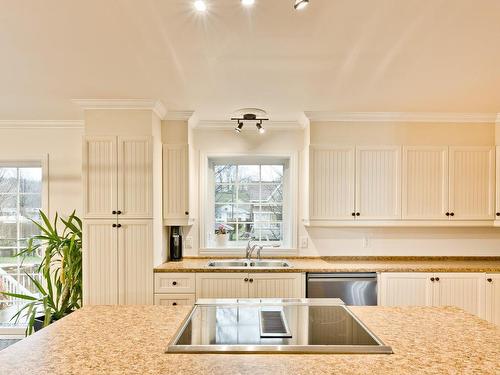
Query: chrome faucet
{"points": [[250, 249]]}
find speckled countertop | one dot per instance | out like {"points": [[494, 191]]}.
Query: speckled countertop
{"points": [[132, 340], [354, 264]]}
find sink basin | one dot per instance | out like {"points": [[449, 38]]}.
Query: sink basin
{"points": [[245, 263]]}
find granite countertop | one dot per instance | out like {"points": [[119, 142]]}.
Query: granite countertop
{"points": [[353, 264], [132, 340]]}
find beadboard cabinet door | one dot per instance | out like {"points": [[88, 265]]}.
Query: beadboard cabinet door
{"points": [[100, 262], [472, 183], [176, 184], [378, 183], [135, 262], [135, 178], [405, 289], [492, 313], [276, 285], [425, 183], [222, 285], [464, 290], [497, 187], [100, 177], [332, 183]]}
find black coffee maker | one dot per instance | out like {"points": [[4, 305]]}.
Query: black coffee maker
{"points": [[175, 243]]}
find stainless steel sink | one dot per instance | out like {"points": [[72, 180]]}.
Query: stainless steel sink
{"points": [[245, 263]]}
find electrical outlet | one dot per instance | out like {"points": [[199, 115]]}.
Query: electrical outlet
{"points": [[188, 244], [304, 242]]}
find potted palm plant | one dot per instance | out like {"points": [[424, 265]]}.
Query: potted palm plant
{"points": [[60, 293]]}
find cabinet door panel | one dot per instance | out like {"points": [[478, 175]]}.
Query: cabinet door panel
{"points": [[425, 183], [135, 257], [175, 184], [497, 213], [221, 285], [405, 289], [100, 177], [276, 285], [100, 262], [464, 290], [378, 183], [135, 177], [331, 183], [472, 183], [493, 298], [174, 299]]}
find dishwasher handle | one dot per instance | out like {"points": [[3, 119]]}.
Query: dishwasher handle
{"points": [[343, 276]]}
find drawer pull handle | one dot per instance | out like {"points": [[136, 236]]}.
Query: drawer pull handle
{"points": [[489, 279], [174, 304], [174, 283]]}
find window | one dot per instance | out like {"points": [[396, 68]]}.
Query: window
{"points": [[250, 198], [20, 201]]}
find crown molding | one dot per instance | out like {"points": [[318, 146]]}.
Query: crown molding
{"points": [[230, 125], [178, 115], [497, 121], [41, 124], [154, 105], [326, 116]]}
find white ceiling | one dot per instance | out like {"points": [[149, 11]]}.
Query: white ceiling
{"points": [[338, 55]]}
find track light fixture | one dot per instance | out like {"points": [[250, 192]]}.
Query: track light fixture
{"points": [[248, 3], [300, 4], [249, 117]]}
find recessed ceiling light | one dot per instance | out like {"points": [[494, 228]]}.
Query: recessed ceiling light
{"points": [[200, 5], [248, 3], [300, 4]]}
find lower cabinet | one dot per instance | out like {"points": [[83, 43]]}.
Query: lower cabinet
{"points": [[464, 290], [250, 285], [493, 298], [174, 299]]}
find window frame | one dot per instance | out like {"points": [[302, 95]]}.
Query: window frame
{"points": [[207, 204], [41, 161]]}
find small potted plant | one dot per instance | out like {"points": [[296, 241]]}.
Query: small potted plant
{"points": [[60, 292], [222, 235]]}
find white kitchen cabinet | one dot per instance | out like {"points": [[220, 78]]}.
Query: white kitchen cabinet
{"points": [[181, 282], [117, 262], [472, 183], [492, 313], [378, 182], [117, 175], [425, 183], [174, 299], [176, 203], [250, 285], [276, 285], [497, 209], [100, 262], [463, 290], [405, 289], [331, 184]]}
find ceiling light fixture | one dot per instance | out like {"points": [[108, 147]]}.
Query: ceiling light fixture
{"points": [[200, 6], [248, 3], [250, 114], [300, 4], [239, 127], [260, 128]]}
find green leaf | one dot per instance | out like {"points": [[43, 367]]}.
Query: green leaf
{"points": [[21, 296]]}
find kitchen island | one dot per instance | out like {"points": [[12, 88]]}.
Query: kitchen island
{"points": [[132, 340]]}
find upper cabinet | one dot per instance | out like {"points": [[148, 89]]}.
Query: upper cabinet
{"points": [[472, 183], [117, 177], [176, 204], [348, 183], [422, 185]]}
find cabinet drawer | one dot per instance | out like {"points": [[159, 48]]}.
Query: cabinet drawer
{"points": [[174, 283], [174, 299]]}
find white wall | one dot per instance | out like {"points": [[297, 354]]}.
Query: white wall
{"points": [[64, 150], [364, 241]]}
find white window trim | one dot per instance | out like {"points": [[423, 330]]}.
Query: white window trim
{"points": [[204, 200], [43, 160]]}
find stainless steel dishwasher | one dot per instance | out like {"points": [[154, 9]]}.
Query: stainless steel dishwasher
{"points": [[355, 289]]}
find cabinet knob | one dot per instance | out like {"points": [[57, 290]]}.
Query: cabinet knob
{"points": [[174, 303], [118, 212], [114, 225], [186, 212], [432, 279], [174, 283], [489, 279], [437, 278], [113, 212], [447, 214], [251, 280], [119, 225], [358, 214], [498, 214], [245, 279], [452, 214], [353, 214]]}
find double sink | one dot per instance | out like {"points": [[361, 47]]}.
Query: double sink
{"points": [[249, 263]]}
